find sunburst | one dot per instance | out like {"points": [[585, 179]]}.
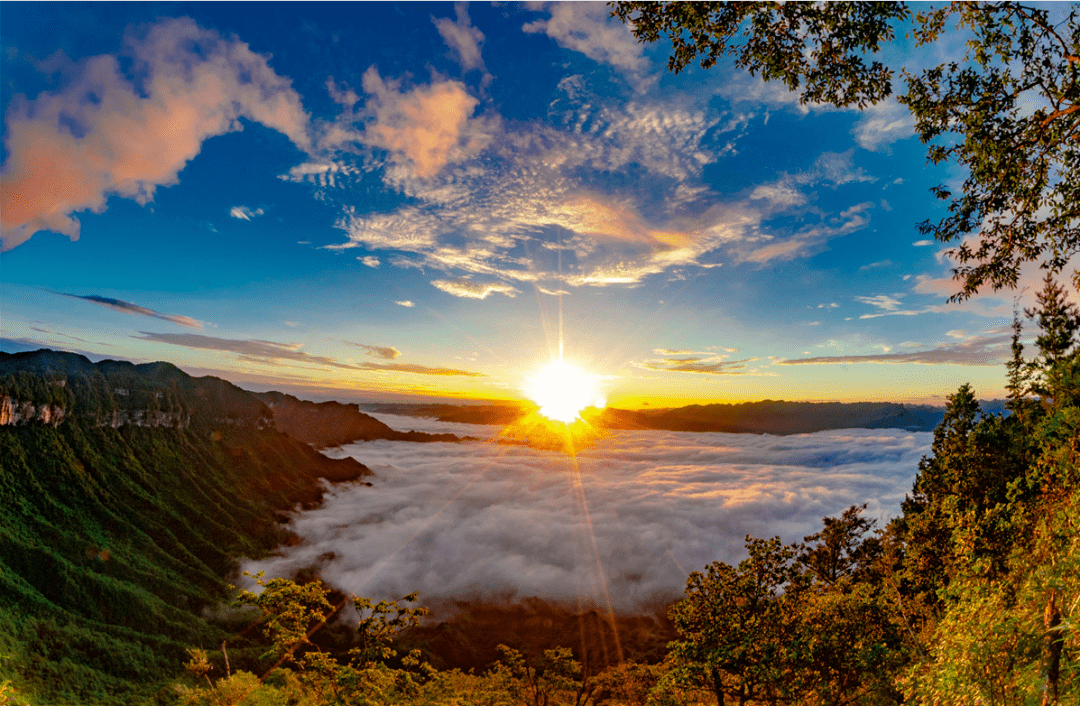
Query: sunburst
{"points": [[562, 390]]}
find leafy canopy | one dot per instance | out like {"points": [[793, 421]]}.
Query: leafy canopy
{"points": [[1006, 112]]}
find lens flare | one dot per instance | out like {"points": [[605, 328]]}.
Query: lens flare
{"points": [[562, 390]]}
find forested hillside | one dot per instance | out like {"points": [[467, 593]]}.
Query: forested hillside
{"points": [[128, 495]]}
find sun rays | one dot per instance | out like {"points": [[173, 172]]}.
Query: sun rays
{"points": [[562, 390]]}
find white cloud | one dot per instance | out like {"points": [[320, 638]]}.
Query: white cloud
{"points": [[322, 174], [244, 213], [587, 28], [882, 124], [475, 219], [779, 194], [805, 242], [423, 128], [462, 37], [481, 520], [369, 260], [406, 303], [991, 350], [834, 169], [923, 243], [740, 88], [70, 149], [496, 212], [473, 290], [384, 352], [251, 350], [883, 302], [699, 363]]}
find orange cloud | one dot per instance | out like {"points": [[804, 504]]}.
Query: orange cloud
{"points": [[70, 149], [423, 127], [591, 216]]}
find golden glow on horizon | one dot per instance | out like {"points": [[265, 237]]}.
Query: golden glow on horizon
{"points": [[562, 390]]}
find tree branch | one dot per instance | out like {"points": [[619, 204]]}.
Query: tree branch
{"points": [[1060, 113]]}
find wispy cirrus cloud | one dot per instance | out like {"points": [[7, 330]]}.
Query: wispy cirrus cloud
{"points": [[806, 241], [882, 124], [891, 305], [987, 350], [251, 349], [386, 352], [468, 289], [883, 302], [417, 369], [503, 198], [129, 308], [688, 361], [588, 28], [244, 213], [274, 353], [98, 135]]}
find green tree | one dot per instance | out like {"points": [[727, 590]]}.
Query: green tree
{"points": [[735, 630], [803, 623], [1006, 113], [1059, 321], [552, 679], [841, 551], [293, 612], [848, 630]]}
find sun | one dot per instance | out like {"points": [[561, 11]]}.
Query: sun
{"points": [[562, 390]]}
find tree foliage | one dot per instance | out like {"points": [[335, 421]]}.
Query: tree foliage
{"points": [[1006, 112]]}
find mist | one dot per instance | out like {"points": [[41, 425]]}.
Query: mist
{"points": [[623, 524]]}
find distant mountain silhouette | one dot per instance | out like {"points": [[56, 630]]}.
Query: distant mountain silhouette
{"points": [[496, 414], [325, 424], [776, 417], [766, 417], [50, 386]]}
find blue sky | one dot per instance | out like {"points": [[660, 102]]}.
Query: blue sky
{"points": [[368, 201]]}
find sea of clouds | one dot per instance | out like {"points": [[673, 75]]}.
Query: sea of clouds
{"points": [[622, 525]]}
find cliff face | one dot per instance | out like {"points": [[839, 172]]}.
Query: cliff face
{"points": [[49, 387], [13, 411], [128, 494]]}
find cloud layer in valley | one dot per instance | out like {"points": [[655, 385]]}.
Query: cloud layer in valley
{"points": [[501, 522]]}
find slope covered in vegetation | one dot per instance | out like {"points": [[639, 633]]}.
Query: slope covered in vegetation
{"points": [[126, 506]]}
